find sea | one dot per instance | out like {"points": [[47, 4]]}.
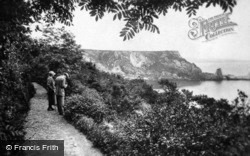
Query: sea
{"points": [[218, 89]]}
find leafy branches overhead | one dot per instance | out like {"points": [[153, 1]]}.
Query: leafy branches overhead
{"points": [[16, 15], [140, 14]]}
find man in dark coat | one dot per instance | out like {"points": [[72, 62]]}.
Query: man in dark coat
{"points": [[51, 90]]}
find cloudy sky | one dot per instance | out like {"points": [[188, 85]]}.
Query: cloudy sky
{"points": [[174, 28]]}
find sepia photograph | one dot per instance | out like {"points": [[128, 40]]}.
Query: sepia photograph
{"points": [[124, 78]]}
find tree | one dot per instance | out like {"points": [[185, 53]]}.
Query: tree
{"points": [[17, 15], [167, 85], [140, 14], [56, 51]]}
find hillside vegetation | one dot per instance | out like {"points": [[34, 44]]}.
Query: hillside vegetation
{"points": [[23, 60], [127, 117]]}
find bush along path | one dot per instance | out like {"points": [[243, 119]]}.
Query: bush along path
{"points": [[49, 125]]}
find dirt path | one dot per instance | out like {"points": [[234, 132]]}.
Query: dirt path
{"points": [[49, 125]]}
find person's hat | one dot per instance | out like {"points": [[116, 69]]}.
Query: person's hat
{"points": [[52, 73], [67, 75]]}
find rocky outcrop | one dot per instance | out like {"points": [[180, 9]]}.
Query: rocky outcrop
{"points": [[144, 64], [219, 74]]}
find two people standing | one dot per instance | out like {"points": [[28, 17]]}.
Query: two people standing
{"points": [[56, 88]]}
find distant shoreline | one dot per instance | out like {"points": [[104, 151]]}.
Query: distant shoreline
{"points": [[184, 83]]}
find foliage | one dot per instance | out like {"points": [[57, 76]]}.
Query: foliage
{"points": [[168, 86], [88, 103], [172, 127], [140, 14], [110, 109], [30, 60], [141, 88], [57, 52], [15, 92], [23, 59], [17, 15]]}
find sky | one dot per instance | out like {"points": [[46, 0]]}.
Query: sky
{"points": [[104, 35]]}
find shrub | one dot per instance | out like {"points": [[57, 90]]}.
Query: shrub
{"points": [[15, 92], [89, 103], [174, 128], [75, 87], [84, 123]]}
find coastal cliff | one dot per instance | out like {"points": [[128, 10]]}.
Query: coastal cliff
{"points": [[149, 65], [152, 65]]}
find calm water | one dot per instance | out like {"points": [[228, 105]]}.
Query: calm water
{"points": [[219, 89], [216, 89], [223, 89]]}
